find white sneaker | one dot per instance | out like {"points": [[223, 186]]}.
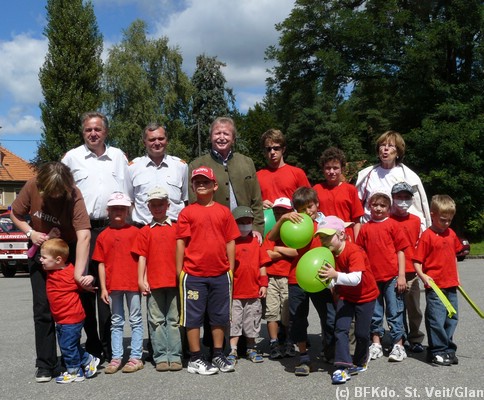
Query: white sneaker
{"points": [[201, 367], [398, 353], [376, 351]]}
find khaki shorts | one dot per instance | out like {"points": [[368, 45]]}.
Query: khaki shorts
{"points": [[277, 308], [246, 318]]}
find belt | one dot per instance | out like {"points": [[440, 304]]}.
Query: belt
{"points": [[99, 223]]}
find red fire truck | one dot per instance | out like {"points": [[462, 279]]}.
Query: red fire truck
{"points": [[13, 247]]}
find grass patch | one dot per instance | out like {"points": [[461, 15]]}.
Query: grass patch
{"points": [[477, 248]]}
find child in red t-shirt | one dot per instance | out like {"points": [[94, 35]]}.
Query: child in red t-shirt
{"points": [[157, 281], [67, 311], [205, 257], [356, 289], [402, 194], [337, 197], [250, 285], [435, 258], [384, 243], [118, 278]]}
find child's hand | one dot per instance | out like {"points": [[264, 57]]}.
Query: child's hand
{"points": [[327, 272], [105, 296], [262, 292], [292, 216], [266, 204], [425, 279], [86, 282], [401, 284], [144, 288]]}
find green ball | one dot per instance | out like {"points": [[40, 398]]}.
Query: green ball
{"points": [[308, 266], [269, 220], [297, 235]]}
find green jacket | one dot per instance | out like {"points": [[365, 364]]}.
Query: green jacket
{"points": [[241, 173]]}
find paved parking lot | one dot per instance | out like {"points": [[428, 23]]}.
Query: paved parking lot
{"points": [[411, 379]]}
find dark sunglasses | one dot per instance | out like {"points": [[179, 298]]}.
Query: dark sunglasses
{"points": [[275, 148]]}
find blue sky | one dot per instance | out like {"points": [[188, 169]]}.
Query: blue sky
{"points": [[237, 32]]}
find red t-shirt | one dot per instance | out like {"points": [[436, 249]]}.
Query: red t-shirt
{"points": [[381, 241], [158, 244], [113, 248], [410, 225], [63, 295], [208, 230], [353, 259], [280, 267], [436, 252], [341, 201], [281, 182], [249, 258]]}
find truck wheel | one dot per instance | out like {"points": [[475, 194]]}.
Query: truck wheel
{"points": [[8, 271]]}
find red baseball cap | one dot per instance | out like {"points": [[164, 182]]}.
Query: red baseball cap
{"points": [[204, 171]]}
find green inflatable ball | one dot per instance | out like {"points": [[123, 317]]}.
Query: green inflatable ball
{"points": [[269, 220], [297, 236], [308, 266]]}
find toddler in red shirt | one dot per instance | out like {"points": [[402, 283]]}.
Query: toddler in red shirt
{"points": [[67, 311]]}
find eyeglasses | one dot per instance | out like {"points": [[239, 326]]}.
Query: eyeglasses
{"points": [[275, 148], [390, 146]]}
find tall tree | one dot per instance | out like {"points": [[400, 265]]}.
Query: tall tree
{"points": [[143, 83], [211, 99], [71, 75]]}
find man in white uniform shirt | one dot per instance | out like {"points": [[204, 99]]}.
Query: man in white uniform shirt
{"points": [[157, 168], [98, 170]]}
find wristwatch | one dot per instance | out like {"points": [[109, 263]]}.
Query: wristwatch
{"points": [[29, 233]]}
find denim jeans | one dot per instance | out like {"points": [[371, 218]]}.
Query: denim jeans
{"points": [[298, 315], [440, 328], [163, 325], [345, 312], [69, 337], [133, 300], [389, 303]]}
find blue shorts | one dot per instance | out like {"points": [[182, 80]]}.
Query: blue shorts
{"points": [[199, 295]]}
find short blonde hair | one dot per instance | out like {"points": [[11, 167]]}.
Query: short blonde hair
{"points": [[395, 137], [56, 248], [443, 204]]}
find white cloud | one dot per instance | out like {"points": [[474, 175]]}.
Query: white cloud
{"points": [[21, 60]]}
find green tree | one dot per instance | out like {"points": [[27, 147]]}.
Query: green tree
{"points": [[211, 99], [70, 77], [144, 82]]}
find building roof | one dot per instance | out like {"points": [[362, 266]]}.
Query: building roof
{"points": [[13, 168]]}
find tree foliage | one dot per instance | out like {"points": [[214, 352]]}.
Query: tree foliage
{"points": [[348, 70], [211, 99], [70, 76], [143, 83]]}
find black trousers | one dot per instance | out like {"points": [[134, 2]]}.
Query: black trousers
{"points": [[98, 343]]}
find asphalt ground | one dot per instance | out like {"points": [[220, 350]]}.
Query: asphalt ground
{"points": [[413, 378]]}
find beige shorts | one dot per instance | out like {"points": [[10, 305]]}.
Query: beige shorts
{"points": [[277, 308], [246, 318]]}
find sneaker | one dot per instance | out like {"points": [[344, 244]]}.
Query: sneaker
{"points": [[290, 351], [66, 377], [416, 348], [452, 358], [275, 351], [163, 366], [253, 356], [398, 353], [201, 367], [376, 351], [43, 375], [90, 368], [302, 369], [233, 356], [222, 363], [441, 359], [113, 366], [340, 376], [133, 365]]}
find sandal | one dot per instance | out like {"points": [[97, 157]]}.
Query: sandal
{"points": [[253, 356], [133, 365], [113, 366]]}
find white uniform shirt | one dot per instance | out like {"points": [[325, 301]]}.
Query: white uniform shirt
{"points": [[171, 174], [98, 177]]}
